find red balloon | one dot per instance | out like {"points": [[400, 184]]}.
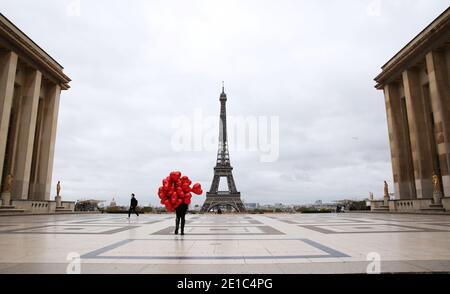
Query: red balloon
{"points": [[179, 202], [186, 188], [176, 189], [166, 186], [175, 176], [197, 189]]}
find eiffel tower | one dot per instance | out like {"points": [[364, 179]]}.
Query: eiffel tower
{"points": [[223, 169]]}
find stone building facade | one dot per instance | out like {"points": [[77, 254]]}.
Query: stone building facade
{"points": [[31, 82], [416, 85]]}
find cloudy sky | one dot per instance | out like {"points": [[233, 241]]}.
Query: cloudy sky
{"points": [[141, 67]]}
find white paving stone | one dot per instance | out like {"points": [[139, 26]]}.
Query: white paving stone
{"points": [[273, 243]]}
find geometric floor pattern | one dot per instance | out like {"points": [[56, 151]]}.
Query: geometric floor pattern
{"points": [[271, 243]]}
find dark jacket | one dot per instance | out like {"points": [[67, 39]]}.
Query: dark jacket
{"points": [[133, 202], [182, 209]]}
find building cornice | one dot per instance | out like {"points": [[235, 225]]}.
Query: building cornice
{"points": [[438, 30], [32, 51]]}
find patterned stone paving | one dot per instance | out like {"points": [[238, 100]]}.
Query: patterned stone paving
{"points": [[274, 243]]}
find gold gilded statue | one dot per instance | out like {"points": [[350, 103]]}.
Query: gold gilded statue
{"points": [[386, 189], [436, 183], [58, 189]]}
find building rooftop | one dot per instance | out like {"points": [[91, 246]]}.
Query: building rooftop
{"points": [[15, 40], [434, 35]]}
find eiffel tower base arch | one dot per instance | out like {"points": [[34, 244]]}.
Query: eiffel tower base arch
{"points": [[214, 200]]}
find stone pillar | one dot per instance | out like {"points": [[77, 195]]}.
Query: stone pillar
{"points": [[8, 66], [440, 98], [42, 186], [420, 139], [386, 199], [58, 201], [27, 126], [402, 165]]}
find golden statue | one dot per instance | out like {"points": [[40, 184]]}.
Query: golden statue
{"points": [[386, 189], [58, 189], [436, 183], [8, 183]]}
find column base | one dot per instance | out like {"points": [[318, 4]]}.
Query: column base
{"points": [[58, 201], [6, 199], [437, 198], [6, 206]]}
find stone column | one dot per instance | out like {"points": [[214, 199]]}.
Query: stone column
{"points": [[42, 186], [440, 98], [8, 66], [27, 126], [402, 165], [418, 126]]}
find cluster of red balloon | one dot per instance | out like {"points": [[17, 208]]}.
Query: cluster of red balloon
{"points": [[176, 189]]}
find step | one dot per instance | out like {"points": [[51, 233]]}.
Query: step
{"points": [[10, 209], [63, 209], [380, 209], [433, 209], [440, 206]]}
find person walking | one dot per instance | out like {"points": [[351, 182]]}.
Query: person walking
{"points": [[181, 213], [133, 206]]}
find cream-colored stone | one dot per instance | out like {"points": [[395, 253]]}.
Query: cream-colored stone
{"points": [[402, 165], [30, 85], [25, 144], [421, 78], [440, 96], [8, 65], [419, 135], [41, 188]]}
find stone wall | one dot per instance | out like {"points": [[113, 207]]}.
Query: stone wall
{"points": [[41, 206]]}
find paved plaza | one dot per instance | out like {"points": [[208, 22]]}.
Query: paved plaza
{"points": [[270, 243]]}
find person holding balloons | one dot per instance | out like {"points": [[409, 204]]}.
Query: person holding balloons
{"points": [[176, 194]]}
